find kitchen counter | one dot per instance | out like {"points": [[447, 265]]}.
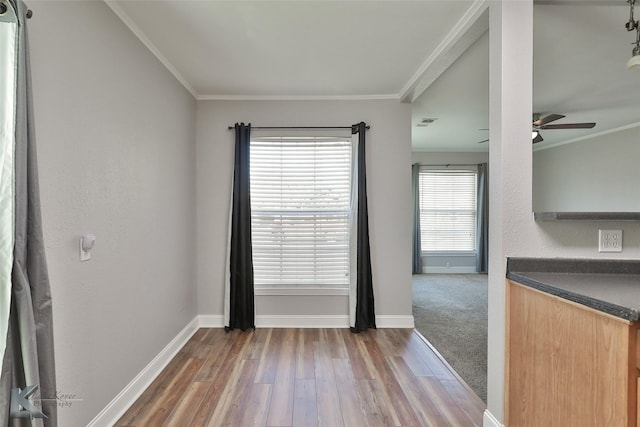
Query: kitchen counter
{"points": [[610, 286]]}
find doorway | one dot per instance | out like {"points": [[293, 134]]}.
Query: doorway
{"points": [[450, 130]]}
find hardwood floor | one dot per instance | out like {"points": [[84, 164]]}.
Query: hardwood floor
{"points": [[306, 377]]}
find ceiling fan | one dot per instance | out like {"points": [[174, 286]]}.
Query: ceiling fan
{"points": [[540, 122]]}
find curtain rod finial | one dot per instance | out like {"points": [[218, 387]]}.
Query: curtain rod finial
{"points": [[29, 13]]}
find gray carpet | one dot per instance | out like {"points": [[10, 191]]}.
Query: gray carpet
{"points": [[450, 311]]}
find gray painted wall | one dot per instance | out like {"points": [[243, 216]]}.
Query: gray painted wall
{"points": [[389, 192], [116, 146], [590, 175]]}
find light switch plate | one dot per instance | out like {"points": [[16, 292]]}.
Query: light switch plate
{"points": [[610, 240]]}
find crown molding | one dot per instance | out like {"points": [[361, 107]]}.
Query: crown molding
{"points": [[297, 97], [466, 31], [126, 19], [473, 24]]}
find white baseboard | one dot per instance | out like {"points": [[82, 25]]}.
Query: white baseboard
{"points": [[449, 270], [488, 420], [119, 405], [404, 322], [302, 321], [308, 321], [211, 321]]}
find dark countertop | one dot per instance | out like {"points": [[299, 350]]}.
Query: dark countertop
{"points": [[609, 216], [610, 286]]}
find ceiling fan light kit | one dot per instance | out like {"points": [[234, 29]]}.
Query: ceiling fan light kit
{"points": [[634, 61]]}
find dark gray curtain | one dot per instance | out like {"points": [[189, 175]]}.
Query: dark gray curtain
{"points": [[241, 291], [417, 247], [29, 355], [365, 316], [482, 229]]}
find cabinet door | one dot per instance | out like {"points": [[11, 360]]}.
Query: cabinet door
{"points": [[567, 365]]}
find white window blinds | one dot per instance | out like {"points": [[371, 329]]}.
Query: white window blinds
{"points": [[447, 210], [300, 197]]}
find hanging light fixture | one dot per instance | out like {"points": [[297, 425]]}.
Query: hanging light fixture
{"points": [[634, 61]]}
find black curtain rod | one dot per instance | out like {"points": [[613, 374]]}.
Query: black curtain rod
{"points": [[300, 127]]}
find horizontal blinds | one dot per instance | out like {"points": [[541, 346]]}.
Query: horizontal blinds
{"points": [[447, 210], [300, 197]]}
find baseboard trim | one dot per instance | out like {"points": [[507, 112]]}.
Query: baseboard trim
{"points": [[449, 270], [401, 322], [211, 321], [123, 401], [308, 321], [488, 420], [302, 321]]}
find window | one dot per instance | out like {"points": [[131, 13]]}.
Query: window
{"points": [[300, 201], [447, 210]]}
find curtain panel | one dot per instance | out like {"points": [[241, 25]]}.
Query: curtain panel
{"points": [[8, 62], [417, 245], [362, 311], [239, 289], [482, 217], [29, 355]]}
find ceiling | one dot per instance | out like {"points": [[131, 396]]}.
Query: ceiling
{"points": [[580, 54], [434, 54], [289, 49]]}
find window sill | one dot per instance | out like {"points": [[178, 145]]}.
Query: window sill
{"points": [[300, 291], [449, 253]]}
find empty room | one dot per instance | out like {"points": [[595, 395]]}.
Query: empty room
{"points": [[207, 207]]}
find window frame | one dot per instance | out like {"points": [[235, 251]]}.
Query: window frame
{"points": [[317, 289], [450, 252]]}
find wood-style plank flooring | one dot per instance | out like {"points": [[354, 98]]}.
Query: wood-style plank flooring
{"points": [[306, 377]]}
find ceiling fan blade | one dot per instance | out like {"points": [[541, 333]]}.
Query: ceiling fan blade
{"points": [[548, 119], [570, 126], [538, 138], [480, 142]]}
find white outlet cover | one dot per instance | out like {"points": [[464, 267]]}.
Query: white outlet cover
{"points": [[610, 240]]}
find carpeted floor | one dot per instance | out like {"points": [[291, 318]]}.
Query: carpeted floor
{"points": [[450, 311]]}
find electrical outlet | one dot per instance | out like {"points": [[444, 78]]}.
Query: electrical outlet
{"points": [[610, 240]]}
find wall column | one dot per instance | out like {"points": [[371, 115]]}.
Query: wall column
{"points": [[510, 154]]}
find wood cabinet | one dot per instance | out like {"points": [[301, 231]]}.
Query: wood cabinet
{"points": [[567, 364]]}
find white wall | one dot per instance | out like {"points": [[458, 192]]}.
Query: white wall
{"points": [[389, 193], [116, 146], [513, 231], [599, 174]]}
